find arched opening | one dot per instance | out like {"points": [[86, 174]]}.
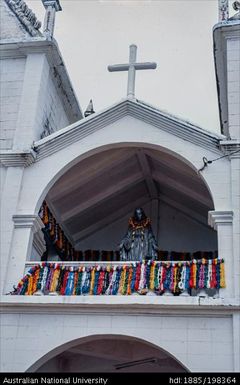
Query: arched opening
{"points": [[92, 202], [108, 353]]}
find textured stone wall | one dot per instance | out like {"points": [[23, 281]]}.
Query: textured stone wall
{"points": [[11, 83]]}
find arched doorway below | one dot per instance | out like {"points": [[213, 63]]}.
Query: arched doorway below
{"points": [[112, 354]]}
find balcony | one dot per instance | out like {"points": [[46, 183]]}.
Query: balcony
{"points": [[120, 283]]}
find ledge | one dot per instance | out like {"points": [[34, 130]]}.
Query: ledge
{"points": [[28, 221], [231, 148], [134, 304], [11, 158], [216, 218]]}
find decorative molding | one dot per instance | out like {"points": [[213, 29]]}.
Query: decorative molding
{"points": [[236, 7], [28, 221], [133, 108], [216, 218], [231, 148], [26, 16], [223, 10], [11, 158], [114, 305], [52, 3]]}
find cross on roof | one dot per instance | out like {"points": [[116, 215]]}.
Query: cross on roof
{"points": [[131, 67]]}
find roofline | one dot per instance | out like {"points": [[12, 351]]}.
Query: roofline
{"points": [[26, 17], [8, 48], [133, 108]]}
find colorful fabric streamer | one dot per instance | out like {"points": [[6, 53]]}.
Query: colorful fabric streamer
{"points": [[140, 277]]}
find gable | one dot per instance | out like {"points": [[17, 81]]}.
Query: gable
{"points": [[17, 20], [138, 112]]}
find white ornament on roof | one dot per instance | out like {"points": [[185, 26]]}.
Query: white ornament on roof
{"points": [[51, 6], [25, 15]]}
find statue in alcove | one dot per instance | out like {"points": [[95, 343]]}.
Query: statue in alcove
{"points": [[139, 243]]}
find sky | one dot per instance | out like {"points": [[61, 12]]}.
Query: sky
{"points": [[176, 34]]}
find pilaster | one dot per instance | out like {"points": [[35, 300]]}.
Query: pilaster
{"points": [[9, 201], [222, 222], [25, 226], [29, 122]]}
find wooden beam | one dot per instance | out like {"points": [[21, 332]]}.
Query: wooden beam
{"points": [[104, 222], [185, 190], [96, 354], [142, 159], [191, 214], [98, 198], [179, 166], [88, 173]]}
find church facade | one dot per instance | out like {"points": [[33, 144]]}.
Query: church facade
{"points": [[89, 174]]}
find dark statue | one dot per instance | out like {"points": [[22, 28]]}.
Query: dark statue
{"points": [[139, 243]]}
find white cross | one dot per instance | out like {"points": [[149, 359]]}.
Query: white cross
{"points": [[131, 67]]}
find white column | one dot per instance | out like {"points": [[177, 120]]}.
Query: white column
{"points": [[232, 149], [236, 342], [9, 202], [51, 6], [29, 122], [235, 189], [24, 228], [222, 222]]}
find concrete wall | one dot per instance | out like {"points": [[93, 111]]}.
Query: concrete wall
{"points": [[200, 343], [11, 83], [233, 78], [53, 108], [30, 101]]}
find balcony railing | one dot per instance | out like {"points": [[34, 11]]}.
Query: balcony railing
{"points": [[123, 278]]}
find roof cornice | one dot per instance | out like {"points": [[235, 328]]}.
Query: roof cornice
{"points": [[13, 158], [133, 108]]}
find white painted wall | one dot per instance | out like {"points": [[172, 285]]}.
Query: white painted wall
{"points": [[11, 83], [201, 343], [52, 107], [29, 98], [233, 79]]}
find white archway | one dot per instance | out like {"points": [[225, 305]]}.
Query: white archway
{"points": [[120, 352]]}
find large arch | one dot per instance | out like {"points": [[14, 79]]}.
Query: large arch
{"points": [[113, 179], [121, 145], [108, 353]]}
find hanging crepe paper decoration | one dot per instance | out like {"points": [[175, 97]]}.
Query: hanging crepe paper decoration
{"points": [[125, 279], [56, 233]]}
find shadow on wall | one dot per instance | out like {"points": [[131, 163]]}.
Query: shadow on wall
{"points": [[112, 354]]}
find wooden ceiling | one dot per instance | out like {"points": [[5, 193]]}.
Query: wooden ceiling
{"points": [[105, 187]]}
